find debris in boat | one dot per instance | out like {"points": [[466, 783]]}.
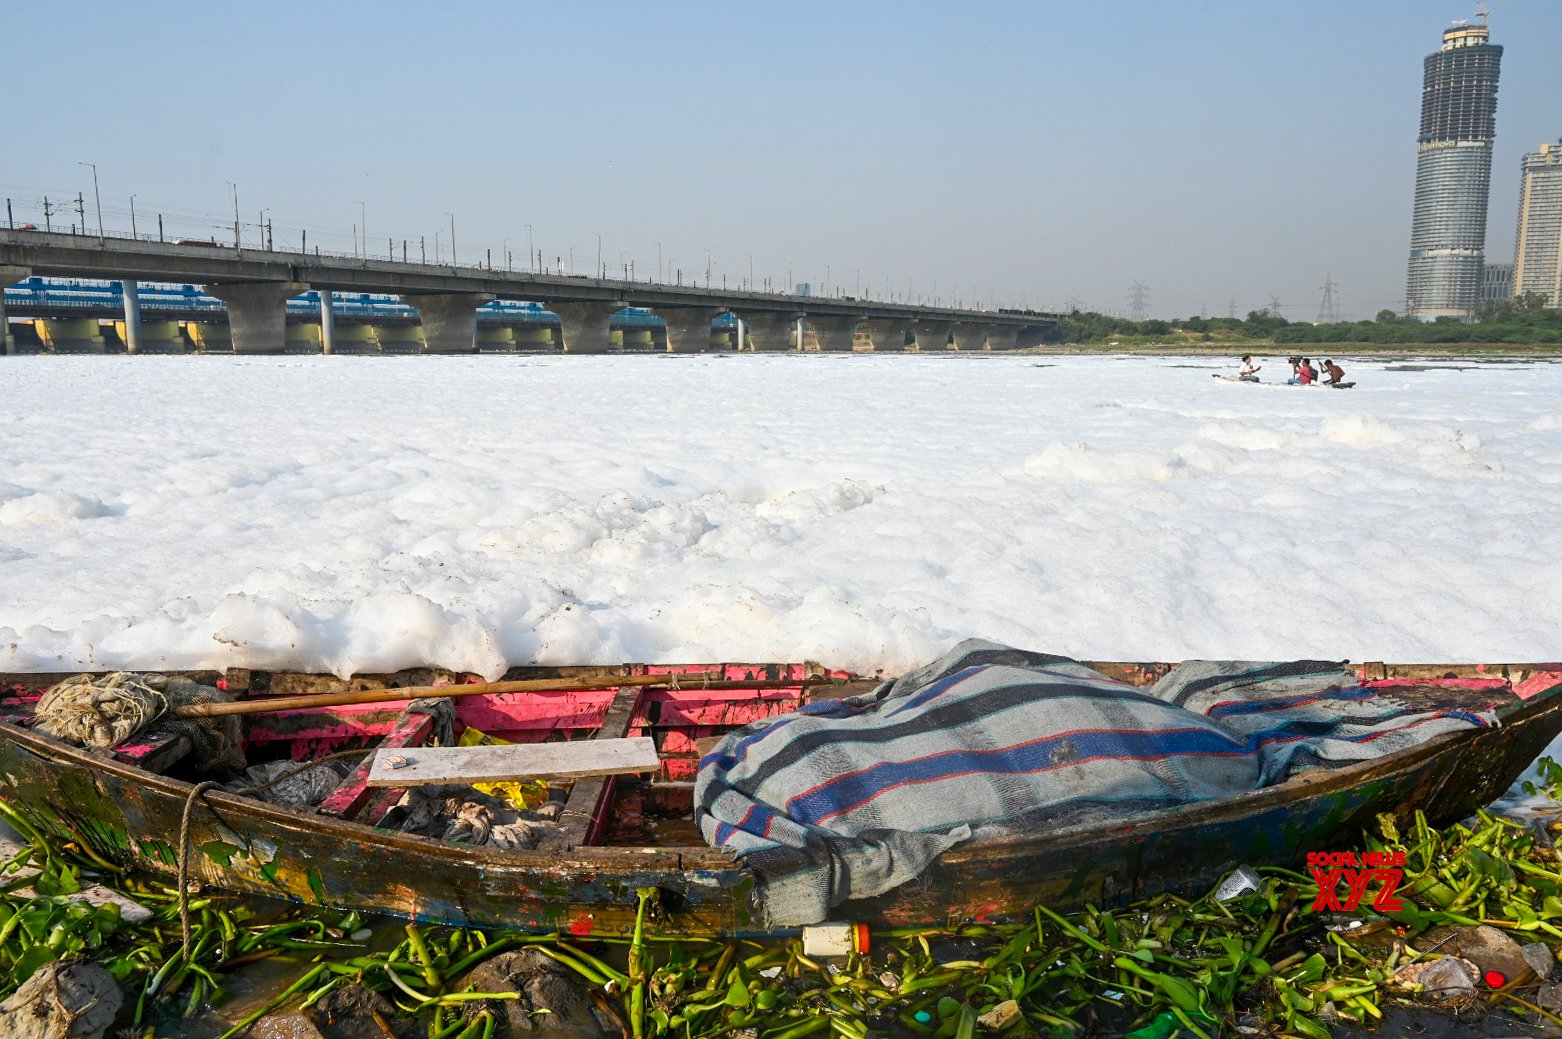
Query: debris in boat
{"points": [[62, 1001], [108, 710], [850, 799], [468, 816], [290, 783], [521, 794], [552, 1000]]}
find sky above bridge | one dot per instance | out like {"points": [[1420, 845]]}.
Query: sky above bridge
{"points": [[1223, 153]]}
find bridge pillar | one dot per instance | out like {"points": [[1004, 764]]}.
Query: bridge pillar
{"points": [[887, 333], [1000, 337], [688, 329], [157, 337], [398, 338], [970, 337], [1031, 335], [584, 327], [495, 339], [834, 332], [210, 337], [257, 313], [449, 320], [769, 331], [9, 276], [132, 300], [327, 321], [77, 335], [356, 338], [303, 337], [933, 336]]}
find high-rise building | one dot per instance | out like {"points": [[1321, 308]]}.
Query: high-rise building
{"points": [[1497, 283], [1537, 247], [1453, 174]]}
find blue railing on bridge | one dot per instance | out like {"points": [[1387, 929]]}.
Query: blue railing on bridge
{"points": [[107, 298]]}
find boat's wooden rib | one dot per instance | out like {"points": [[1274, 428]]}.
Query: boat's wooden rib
{"points": [[581, 820], [157, 753], [354, 792]]}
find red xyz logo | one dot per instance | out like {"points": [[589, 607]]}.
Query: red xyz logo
{"points": [[1330, 867]]}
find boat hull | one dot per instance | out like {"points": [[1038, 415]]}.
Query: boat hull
{"points": [[133, 817]]}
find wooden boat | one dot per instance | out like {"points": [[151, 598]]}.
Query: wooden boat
{"points": [[626, 833]]}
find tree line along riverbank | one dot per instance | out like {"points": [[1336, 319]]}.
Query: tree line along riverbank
{"points": [[1523, 328]]}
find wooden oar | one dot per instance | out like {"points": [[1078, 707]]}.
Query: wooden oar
{"points": [[698, 680]]}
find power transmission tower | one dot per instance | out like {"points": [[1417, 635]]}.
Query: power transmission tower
{"points": [[1074, 304], [1328, 310], [1274, 306], [1231, 308], [1139, 301]]}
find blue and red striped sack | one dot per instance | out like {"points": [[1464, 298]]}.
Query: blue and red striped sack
{"points": [[851, 798]]}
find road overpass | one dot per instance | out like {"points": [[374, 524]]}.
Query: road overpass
{"points": [[255, 285]]}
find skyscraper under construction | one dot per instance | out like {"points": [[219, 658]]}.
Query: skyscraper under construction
{"points": [[1453, 174]]}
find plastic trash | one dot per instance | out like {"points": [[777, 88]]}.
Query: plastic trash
{"points": [[1240, 881]]}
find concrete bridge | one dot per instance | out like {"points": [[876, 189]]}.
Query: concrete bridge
{"points": [[67, 315], [257, 285]]}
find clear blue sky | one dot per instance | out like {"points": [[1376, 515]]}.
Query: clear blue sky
{"points": [[1036, 151]]}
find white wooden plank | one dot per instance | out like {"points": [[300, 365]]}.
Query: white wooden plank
{"points": [[421, 766]]}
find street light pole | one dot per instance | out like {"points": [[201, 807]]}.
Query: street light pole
{"points": [[132, 216], [750, 271], [237, 245], [363, 227], [96, 198], [452, 217], [599, 254], [531, 250], [707, 268]]}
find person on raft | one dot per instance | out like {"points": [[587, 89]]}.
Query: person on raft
{"points": [[1336, 373], [1249, 372], [1305, 374]]}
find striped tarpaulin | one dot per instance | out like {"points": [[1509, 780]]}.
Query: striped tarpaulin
{"points": [[851, 798]]}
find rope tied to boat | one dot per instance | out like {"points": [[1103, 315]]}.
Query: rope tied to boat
{"points": [[184, 861], [196, 793]]}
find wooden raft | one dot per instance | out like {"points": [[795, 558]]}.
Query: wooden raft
{"points": [[576, 759]]}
